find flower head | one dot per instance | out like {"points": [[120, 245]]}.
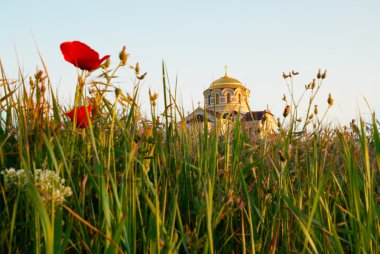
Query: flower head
{"points": [[14, 177], [51, 185], [48, 183], [330, 100], [81, 55], [123, 56], [81, 117], [286, 111]]}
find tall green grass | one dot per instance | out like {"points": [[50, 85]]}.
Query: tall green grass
{"points": [[153, 186]]}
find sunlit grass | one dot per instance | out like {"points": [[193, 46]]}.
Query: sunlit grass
{"points": [[151, 186]]}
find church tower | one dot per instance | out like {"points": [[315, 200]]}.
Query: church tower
{"points": [[226, 95]]}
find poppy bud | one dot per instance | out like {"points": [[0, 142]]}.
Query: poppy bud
{"points": [[31, 82], [118, 92], [123, 56], [313, 84], [107, 63], [153, 97], [284, 75], [299, 119], [324, 74], [295, 72], [311, 117], [284, 98], [316, 109], [137, 68], [319, 75], [330, 100], [286, 111], [278, 123]]}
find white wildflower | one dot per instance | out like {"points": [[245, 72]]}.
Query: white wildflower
{"points": [[13, 177], [53, 185], [48, 182]]}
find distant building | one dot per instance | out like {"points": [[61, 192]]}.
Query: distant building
{"points": [[226, 100]]}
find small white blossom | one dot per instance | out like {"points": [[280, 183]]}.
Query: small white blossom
{"points": [[48, 182], [14, 177], [51, 183]]}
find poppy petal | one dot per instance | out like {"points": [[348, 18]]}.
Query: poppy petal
{"points": [[81, 55], [82, 120]]}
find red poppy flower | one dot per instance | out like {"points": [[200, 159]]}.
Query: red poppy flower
{"points": [[82, 119], [81, 55]]}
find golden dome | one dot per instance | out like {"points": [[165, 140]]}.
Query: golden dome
{"points": [[226, 82]]}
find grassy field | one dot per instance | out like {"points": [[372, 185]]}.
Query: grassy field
{"points": [[133, 185]]}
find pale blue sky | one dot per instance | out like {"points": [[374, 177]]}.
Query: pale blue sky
{"points": [[258, 40]]}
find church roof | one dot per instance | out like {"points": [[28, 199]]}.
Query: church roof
{"points": [[226, 82], [255, 115]]}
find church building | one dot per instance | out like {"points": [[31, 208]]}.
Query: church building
{"points": [[227, 99]]}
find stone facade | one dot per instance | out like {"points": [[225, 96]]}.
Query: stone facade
{"points": [[225, 100], [226, 94]]}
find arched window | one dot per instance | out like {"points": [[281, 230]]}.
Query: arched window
{"points": [[239, 98], [209, 99], [217, 98], [228, 98]]}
